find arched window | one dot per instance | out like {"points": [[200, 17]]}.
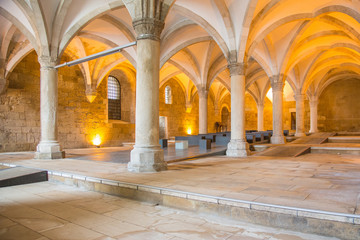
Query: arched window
{"points": [[114, 98], [168, 96]]}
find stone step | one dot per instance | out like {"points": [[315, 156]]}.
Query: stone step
{"points": [[21, 175], [335, 150], [285, 151], [334, 224]]}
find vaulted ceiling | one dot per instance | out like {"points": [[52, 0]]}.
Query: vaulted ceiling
{"points": [[310, 43]]}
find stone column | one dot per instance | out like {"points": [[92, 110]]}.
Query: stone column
{"points": [[260, 115], [147, 156], [313, 115], [277, 89], [3, 81], [238, 146], [300, 112], [203, 110], [49, 147]]}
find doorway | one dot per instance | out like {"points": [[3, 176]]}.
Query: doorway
{"points": [[293, 120], [163, 131]]}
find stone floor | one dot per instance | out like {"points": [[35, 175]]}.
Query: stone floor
{"points": [[312, 181], [50, 211], [122, 154]]}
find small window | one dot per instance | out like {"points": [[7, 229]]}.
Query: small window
{"points": [[168, 96], [114, 98]]}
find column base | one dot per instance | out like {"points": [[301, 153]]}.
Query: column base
{"points": [[313, 131], [49, 150], [278, 139], [300, 134], [237, 148], [147, 159]]}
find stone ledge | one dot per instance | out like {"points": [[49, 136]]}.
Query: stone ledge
{"points": [[344, 226], [323, 215]]}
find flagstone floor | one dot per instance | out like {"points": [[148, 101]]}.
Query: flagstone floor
{"points": [[49, 211]]}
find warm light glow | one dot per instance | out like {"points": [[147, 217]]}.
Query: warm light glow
{"points": [[287, 93], [189, 131], [97, 140]]}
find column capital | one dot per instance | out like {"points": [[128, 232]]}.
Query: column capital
{"points": [[313, 99], [148, 28], [202, 91], [236, 69], [314, 102], [260, 105], [299, 97], [277, 82], [47, 61], [277, 86]]}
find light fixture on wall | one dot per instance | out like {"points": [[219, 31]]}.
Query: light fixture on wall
{"points": [[189, 131], [97, 141]]}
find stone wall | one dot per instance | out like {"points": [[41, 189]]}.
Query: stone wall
{"points": [[288, 107], [338, 107], [250, 113], [213, 115], [78, 120], [178, 120], [20, 108]]}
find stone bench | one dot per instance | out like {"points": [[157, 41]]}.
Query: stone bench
{"points": [[259, 137], [193, 140], [222, 140], [205, 143], [163, 143], [250, 137], [181, 144]]}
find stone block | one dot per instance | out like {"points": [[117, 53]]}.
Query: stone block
{"points": [[181, 144]]}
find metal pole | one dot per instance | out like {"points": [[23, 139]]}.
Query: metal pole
{"points": [[96, 55]]}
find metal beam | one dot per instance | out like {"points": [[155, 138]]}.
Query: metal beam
{"points": [[96, 55]]}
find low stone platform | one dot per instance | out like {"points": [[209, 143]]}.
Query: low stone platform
{"points": [[285, 151], [19, 175], [313, 193], [122, 154]]}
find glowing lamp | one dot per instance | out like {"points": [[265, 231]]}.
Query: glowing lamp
{"points": [[97, 140], [189, 131]]}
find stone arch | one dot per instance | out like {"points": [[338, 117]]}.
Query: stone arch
{"points": [[81, 23], [205, 25], [21, 28], [175, 50], [127, 94], [241, 55]]}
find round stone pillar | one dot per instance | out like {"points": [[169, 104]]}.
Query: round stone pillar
{"points": [[238, 146], [3, 81], [203, 110], [300, 112], [313, 116], [49, 147], [277, 90], [147, 155], [260, 115]]}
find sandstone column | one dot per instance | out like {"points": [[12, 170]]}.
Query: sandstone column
{"points": [[147, 156], [3, 81], [300, 112], [49, 147], [260, 115], [313, 115], [237, 147], [203, 110], [277, 85]]}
